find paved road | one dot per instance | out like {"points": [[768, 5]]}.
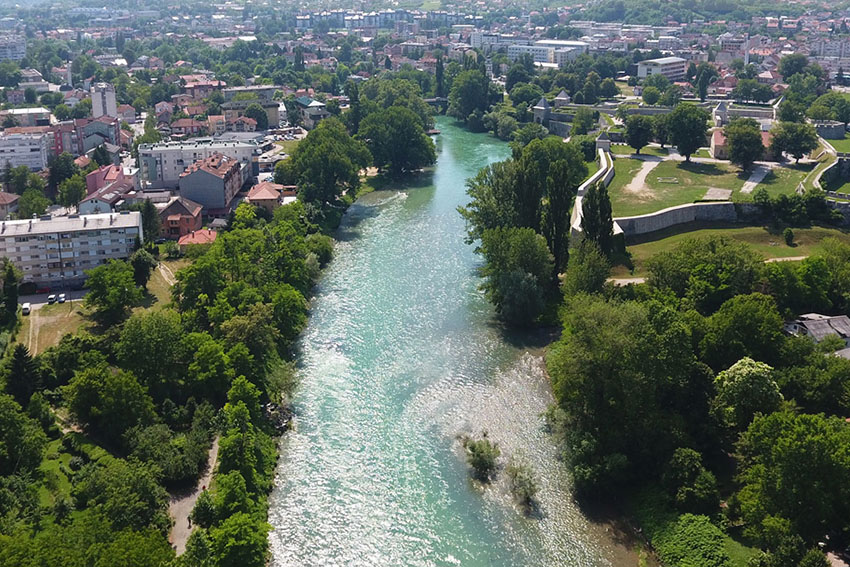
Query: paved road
{"points": [[756, 177], [40, 300]]}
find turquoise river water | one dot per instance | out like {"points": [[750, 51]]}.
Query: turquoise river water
{"points": [[402, 357]]}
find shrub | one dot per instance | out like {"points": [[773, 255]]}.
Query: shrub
{"points": [[481, 455], [523, 484], [788, 235]]}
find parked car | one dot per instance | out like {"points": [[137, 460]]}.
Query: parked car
{"points": [[26, 308], [51, 299], [61, 298]]}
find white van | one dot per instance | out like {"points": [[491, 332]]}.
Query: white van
{"points": [[25, 308]]}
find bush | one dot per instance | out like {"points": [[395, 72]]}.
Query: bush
{"points": [[481, 456], [523, 485], [788, 235]]}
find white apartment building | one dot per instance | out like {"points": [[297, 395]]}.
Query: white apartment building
{"points": [[103, 101], [57, 251], [13, 47], [160, 165], [29, 149], [549, 51], [671, 67], [830, 48]]}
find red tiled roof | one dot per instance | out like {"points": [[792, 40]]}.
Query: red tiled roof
{"points": [[8, 198], [203, 236], [217, 164]]}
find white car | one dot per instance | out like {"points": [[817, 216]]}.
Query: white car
{"points": [[26, 308], [61, 298]]}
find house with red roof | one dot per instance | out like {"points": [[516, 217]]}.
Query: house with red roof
{"points": [[180, 217], [719, 146], [196, 237]]}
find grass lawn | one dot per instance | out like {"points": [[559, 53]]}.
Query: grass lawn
{"points": [[625, 89], [288, 145], [692, 181], [760, 239], [702, 153], [44, 327], [54, 467], [626, 150], [780, 181], [592, 167], [841, 145]]}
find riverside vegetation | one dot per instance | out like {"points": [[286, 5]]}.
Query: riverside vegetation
{"points": [[145, 392]]}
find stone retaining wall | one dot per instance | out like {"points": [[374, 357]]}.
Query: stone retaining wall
{"points": [[681, 214]]}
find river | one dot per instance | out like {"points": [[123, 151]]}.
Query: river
{"points": [[400, 358]]}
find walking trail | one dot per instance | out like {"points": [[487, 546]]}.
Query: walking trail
{"points": [[756, 177], [638, 183], [181, 505]]}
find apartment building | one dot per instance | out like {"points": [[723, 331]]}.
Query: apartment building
{"points": [[212, 182], [57, 251], [103, 100], [13, 47], [161, 164], [39, 116], [671, 67], [31, 149], [549, 51]]}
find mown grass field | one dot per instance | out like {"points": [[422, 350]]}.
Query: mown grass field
{"points": [[768, 243]]}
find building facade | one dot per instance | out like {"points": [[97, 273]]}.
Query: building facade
{"points": [[29, 149], [161, 164], [212, 182], [103, 101], [57, 251], [673, 68]]}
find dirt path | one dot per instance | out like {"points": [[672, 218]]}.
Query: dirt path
{"points": [[638, 183], [181, 505], [167, 274]]}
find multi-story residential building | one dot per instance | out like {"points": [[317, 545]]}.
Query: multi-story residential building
{"points": [[103, 101], [263, 92], [20, 147], [671, 67], [180, 217], [161, 164], [236, 108], [312, 111], [81, 135], [57, 251], [549, 50], [212, 182], [830, 48], [27, 116], [13, 47]]}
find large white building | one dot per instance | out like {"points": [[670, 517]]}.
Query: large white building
{"points": [[56, 252], [555, 51], [25, 148], [103, 101], [160, 165], [671, 67], [13, 47]]}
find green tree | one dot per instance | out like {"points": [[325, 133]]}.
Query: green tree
{"points": [[240, 541], [256, 112], [151, 346], [797, 139], [22, 441], [143, 264], [32, 202], [691, 485], [745, 389], [17, 178], [743, 138], [151, 222], [587, 270], [397, 141], [792, 64], [11, 281], [744, 326], [706, 271], [565, 176], [517, 271], [481, 455], [112, 290], [22, 375], [638, 131], [608, 88], [582, 121], [470, 91], [661, 129], [327, 163], [651, 95], [597, 222], [796, 467], [72, 191], [62, 168], [525, 93], [108, 402], [688, 127]]}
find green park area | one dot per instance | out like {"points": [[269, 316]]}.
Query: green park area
{"points": [[627, 150], [843, 145], [671, 183], [765, 241]]}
